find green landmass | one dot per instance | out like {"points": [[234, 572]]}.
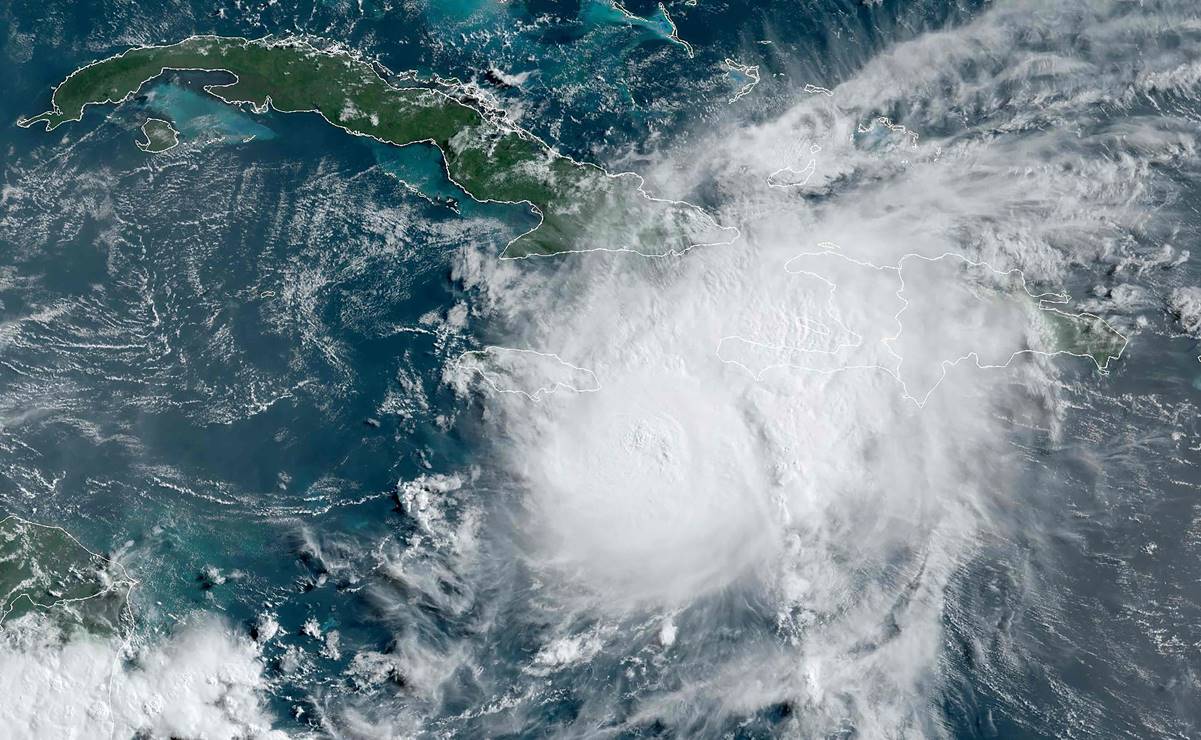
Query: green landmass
{"points": [[44, 569], [582, 207], [160, 136], [1084, 334], [1060, 329]]}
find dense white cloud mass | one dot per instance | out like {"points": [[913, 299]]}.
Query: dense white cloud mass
{"points": [[685, 474], [805, 409], [203, 682], [1186, 304], [737, 483]]}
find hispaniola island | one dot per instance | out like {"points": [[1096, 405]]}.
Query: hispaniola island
{"points": [[818, 369]]}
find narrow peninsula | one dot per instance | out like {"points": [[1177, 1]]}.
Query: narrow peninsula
{"points": [[581, 207]]}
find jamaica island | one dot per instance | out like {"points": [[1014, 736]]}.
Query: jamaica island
{"points": [[580, 206]]}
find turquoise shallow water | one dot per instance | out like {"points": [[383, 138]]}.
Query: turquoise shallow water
{"points": [[223, 366], [196, 115]]}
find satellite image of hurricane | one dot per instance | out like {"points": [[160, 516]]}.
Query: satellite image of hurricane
{"points": [[815, 369]]}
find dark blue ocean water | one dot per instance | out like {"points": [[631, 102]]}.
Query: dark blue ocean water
{"points": [[225, 358]]}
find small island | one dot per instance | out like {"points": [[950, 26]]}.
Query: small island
{"points": [[160, 136], [580, 206]]}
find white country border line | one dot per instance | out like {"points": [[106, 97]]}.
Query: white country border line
{"points": [[751, 71], [944, 365], [146, 147], [1044, 299], [774, 181], [781, 348], [268, 104], [831, 248], [673, 36], [811, 327], [675, 32], [818, 327], [127, 607], [537, 395], [125, 578], [886, 122]]}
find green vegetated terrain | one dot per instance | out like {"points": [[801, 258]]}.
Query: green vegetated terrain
{"points": [[44, 569], [1084, 334], [582, 206], [160, 136]]}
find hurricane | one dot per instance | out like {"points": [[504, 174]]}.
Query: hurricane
{"points": [[677, 369]]}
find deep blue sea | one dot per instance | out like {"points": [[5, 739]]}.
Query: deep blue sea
{"points": [[226, 366]]}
